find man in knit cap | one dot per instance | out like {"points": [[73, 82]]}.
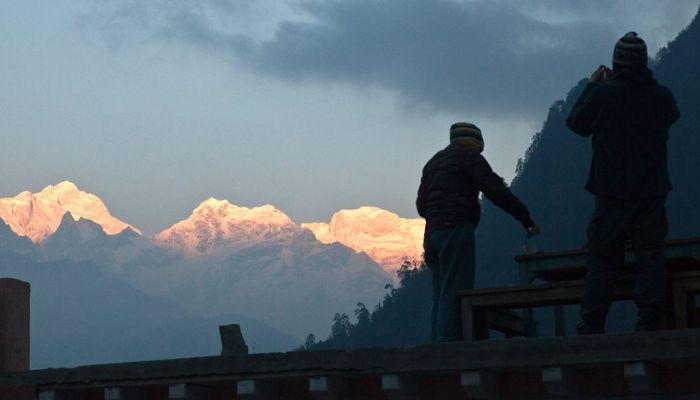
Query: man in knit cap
{"points": [[628, 114], [448, 198]]}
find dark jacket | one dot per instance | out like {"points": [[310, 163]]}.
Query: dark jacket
{"points": [[628, 117], [449, 189]]}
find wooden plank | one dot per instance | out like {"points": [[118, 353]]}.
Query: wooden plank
{"points": [[522, 288], [507, 322], [682, 254], [525, 299], [538, 295]]}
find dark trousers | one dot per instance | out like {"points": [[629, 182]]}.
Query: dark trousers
{"points": [[614, 221], [449, 253]]}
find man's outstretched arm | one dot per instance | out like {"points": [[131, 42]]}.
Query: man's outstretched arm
{"points": [[495, 189]]}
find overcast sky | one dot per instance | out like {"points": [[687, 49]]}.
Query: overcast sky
{"points": [[311, 106]]}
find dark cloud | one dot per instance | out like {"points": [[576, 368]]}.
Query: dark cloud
{"points": [[478, 56]]}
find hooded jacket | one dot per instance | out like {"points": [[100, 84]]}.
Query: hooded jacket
{"points": [[449, 190], [628, 117]]}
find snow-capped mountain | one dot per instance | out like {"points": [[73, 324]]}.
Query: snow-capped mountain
{"points": [[38, 215], [218, 224], [222, 258], [384, 236]]}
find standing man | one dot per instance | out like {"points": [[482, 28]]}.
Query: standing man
{"points": [[448, 198], [628, 114]]}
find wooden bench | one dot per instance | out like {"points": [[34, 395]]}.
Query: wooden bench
{"points": [[483, 309]]}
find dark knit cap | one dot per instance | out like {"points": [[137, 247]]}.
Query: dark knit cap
{"points": [[630, 50], [465, 130]]}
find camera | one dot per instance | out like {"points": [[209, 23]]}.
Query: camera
{"points": [[607, 74]]}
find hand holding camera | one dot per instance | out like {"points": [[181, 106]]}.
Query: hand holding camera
{"points": [[601, 74]]}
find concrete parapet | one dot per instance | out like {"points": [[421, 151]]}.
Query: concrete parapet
{"points": [[14, 325]]}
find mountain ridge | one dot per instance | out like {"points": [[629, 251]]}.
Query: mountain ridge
{"points": [[213, 226], [38, 215]]}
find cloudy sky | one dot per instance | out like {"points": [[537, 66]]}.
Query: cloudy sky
{"points": [[312, 106]]}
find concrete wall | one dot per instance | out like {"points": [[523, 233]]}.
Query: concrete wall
{"points": [[14, 325]]}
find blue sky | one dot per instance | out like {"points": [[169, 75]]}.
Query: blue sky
{"points": [[311, 106]]}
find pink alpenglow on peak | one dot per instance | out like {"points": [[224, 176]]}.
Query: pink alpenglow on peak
{"points": [[38, 215], [384, 236], [218, 224]]}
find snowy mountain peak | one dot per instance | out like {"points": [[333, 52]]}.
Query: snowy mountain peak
{"points": [[224, 210], [218, 224], [37, 216], [384, 236]]}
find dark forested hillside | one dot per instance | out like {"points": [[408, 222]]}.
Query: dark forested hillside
{"points": [[555, 168], [400, 320]]}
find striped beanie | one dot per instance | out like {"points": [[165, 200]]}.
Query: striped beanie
{"points": [[466, 131], [630, 50]]}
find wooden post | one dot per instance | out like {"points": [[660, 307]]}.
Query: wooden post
{"points": [[468, 332], [14, 325], [680, 305]]}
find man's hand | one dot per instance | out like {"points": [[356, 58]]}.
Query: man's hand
{"points": [[598, 76], [533, 230]]}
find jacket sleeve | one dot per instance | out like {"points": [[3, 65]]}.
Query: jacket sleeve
{"points": [[581, 117], [495, 189], [420, 200], [674, 113]]}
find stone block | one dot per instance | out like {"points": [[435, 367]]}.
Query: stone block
{"points": [[256, 390], [59, 395], [480, 384], [400, 387], [641, 377], [329, 388], [184, 391], [232, 341], [124, 393], [559, 381]]}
